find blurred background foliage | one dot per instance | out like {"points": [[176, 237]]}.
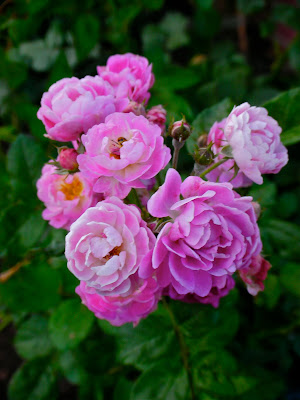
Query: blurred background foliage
{"points": [[207, 55]]}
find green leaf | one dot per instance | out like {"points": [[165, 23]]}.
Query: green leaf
{"points": [[285, 108], [291, 136], [32, 338], [161, 383], [35, 380], [86, 35], [271, 293], [146, 343], [33, 288], [24, 162], [70, 324], [71, 367], [175, 78], [206, 119], [174, 25], [290, 278], [31, 231]]}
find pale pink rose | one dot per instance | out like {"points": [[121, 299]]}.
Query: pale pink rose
{"points": [[225, 172], [255, 274], [119, 310], [130, 75], [66, 197], [254, 137], [72, 106], [221, 286], [106, 246], [122, 153], [158, 115], [211, 231], [68, 159]]}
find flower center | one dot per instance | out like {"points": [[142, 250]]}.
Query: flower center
{"points": [[73, 189], [114, 252], [115, 151]]}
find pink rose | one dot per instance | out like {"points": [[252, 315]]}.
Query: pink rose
{"points": [[106, 246], [72, 106], [119, 310], [158, 115], [255, 274], [225, 172], [221, 286], [121, 153], [254, 137], [66, 197], [211, 231], [130, 75]]}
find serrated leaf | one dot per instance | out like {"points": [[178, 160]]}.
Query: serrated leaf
{"points": [[285, 108], [32, 338], [24, 162], [161, 383], [146, 343], [33, 288], [70, 324], [35, 380]]}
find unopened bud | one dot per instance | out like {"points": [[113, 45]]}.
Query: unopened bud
{"points": [[180, 130], [135, 108], [67, 158], [257, 209], [204, 156], [157, 115], [202, 140]]}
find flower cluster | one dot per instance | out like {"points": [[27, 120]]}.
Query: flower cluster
{"points": [[131, 242]]}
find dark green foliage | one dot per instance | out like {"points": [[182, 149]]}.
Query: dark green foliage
{"points": [[247, 349]]}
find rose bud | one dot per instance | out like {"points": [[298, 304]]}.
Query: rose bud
{"points": [[68, 158], [180, 130]]}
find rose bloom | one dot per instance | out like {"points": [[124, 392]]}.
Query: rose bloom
{"points": [[66, 197], [122, 153], [72, 106], [106, 246], [158, 115], [130, 75], [210, 231], [221, 286], [255, 275], [119, 310], [254, 137], [225, 172]]}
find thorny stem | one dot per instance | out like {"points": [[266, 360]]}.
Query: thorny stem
{"points": [[177, 146], [212, 167], [183, 348]]}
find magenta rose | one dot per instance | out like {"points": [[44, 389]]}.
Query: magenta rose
{"points": [[119, 310], [122, 153], [209, 230], [225, 172], [72, 106], [66, 197], [106, 246], [221, 286], [130, 75], [254, 137], [255, 274]]}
